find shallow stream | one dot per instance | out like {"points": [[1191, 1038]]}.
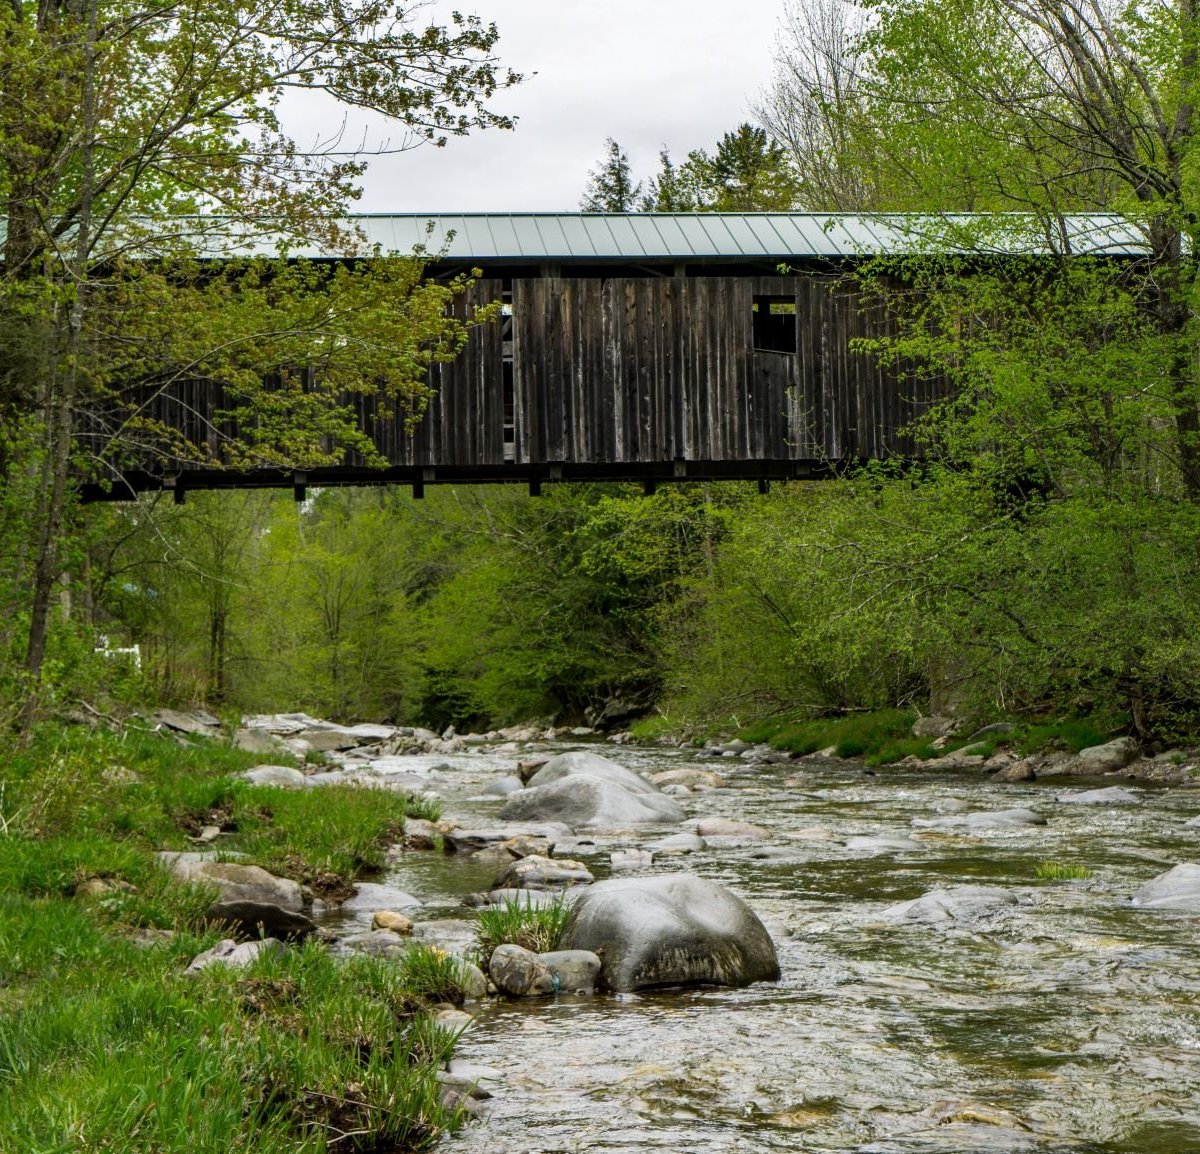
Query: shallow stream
{"points": [[1068, 1023]]}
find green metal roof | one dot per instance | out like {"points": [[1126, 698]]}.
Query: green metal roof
{"points": [[632, 237], [533, 237]]}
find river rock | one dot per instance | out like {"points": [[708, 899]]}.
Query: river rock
{"points": [[677, 843], [981, 820], [589, 802], [502, 786], [236, 955], [240, 883], [520, 973], [279, 776], [880, 845], [688, 777], [253, 920], [1107, 758], [945, 906], [1016, 771], [379, 944], [573, 971], [391, 920], [725, 827], [473, 840], [578, 763], [1113, 795], [670, 930], [630, 859], [451, 935], [1177, 889], [370, 896], [543, 873]]}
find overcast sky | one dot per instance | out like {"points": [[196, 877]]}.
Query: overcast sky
{"points": [[648, 73]]}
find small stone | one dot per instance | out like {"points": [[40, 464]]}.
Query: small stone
{"points": [[631, 859], [725, 827], [234, 954], [453, 1019], [1016, 771], [391, 920]]}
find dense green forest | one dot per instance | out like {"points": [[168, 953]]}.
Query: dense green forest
{"points": [[1044, 561]]}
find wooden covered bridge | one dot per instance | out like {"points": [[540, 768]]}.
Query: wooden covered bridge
{"points": [[644, 347]]}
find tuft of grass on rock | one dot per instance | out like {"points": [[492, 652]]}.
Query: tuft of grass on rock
{"points": [[536, 928]]}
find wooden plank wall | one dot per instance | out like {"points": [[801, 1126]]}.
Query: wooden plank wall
{"points": [[647, 369]]}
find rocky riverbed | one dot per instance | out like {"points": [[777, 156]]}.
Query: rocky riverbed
{"points": [[967, 964]]}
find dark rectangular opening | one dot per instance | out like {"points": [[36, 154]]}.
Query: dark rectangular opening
{"points": [[775, 324]]}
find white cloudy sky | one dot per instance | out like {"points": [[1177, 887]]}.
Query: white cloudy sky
{"points": [[646, 72]]}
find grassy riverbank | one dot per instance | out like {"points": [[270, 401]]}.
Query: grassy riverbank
{"points": [[105, 1042]]}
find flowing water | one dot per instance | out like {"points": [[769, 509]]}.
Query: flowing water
{"points": [[1068, 1022]]}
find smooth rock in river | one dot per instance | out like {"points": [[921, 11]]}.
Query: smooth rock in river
{"points": [[878, 845], [236, 955], [279, 776], [688, 777], [981, 820], [373, 896], [391, 920], [945, 906], [670, 930], [502, 786], [579, 763], [726, 827], [1113, 795], [1177, 889], [676, 843], [543, 873], [473, 840], [520, 973], [573, 971], [591, 802], [240, 883], [630, 859]]}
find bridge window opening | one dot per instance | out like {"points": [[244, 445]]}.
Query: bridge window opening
{"points": [[507, 378], [774, 324]]}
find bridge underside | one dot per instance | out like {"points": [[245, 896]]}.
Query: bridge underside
{"points": [[417, 478]]}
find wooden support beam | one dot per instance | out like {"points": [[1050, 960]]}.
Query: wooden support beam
{"points": [[535, 486], [418, 488], [299, 487], [649, 487]]}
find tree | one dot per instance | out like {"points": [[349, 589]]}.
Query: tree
{"points": [[134, 131], [610, 186]]}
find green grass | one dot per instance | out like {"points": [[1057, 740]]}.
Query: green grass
{"points": [[853, 735], [535, 928], [1057, 871], [106, 1045], [884, 736], [299, 1053]]}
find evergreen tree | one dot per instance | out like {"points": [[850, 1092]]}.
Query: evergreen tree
{"points": [[610, 186]]}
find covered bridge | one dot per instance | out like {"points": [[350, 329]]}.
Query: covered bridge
{"points": [[643, 346]]}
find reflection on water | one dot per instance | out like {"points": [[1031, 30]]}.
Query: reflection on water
{"points": [[1068, 1022]]}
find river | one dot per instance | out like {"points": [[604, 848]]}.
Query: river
{"points": [[1068, 1022]]}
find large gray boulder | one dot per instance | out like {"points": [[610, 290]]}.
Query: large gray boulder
{"points": [[670, 930], [1177, 889], [945, 907], [279, 776], [591, 765], [1107, 758], [586, 802]]}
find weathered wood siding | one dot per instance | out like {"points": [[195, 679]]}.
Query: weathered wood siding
{"points": [[643, 370]]}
